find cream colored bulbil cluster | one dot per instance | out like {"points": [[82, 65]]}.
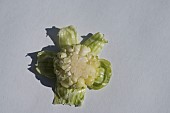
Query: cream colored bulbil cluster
{"points": [[76, 66]]}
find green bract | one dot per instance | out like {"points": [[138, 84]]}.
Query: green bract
{"points": [[75, 67]]}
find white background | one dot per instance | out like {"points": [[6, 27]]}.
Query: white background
{"points": [[138, 32]]}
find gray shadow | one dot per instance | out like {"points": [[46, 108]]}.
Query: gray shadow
{"points": [[52, 33], [44, 80], [86, 37]]}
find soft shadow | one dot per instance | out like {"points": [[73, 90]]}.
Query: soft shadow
{"points": [[86, 37], [44, 80], [52, 33]]}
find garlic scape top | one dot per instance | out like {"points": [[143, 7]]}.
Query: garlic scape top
{"points": [[76, 67]]}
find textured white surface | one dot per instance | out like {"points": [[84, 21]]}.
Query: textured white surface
{"points": [[139, 49]]}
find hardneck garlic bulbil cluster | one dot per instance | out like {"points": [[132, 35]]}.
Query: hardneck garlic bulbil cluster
{"points": [[75, 66]]}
